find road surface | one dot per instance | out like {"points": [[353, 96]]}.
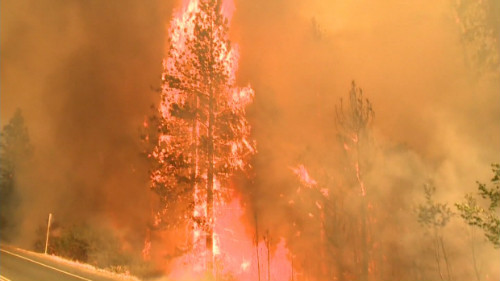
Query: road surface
{"points": [[20, 265]]}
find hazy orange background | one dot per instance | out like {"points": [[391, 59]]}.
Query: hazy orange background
{"points": [[84, 74]]}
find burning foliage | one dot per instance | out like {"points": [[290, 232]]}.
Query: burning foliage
{"points": [[203, 136], [331, 191]]}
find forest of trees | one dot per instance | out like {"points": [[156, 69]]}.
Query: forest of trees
{"points": [[199, 137], [353, 218]]}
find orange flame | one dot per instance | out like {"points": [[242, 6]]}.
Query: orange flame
{"points": [[234, 250], [304, 176]]}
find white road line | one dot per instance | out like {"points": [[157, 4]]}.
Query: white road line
{"points": [[47, 266], [4, 278]]}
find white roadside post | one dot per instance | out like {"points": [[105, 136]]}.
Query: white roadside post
{"points": [[48, 231]]}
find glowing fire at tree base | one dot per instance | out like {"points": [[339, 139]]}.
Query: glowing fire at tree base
{"points": [[235, 252], [202, 138]]}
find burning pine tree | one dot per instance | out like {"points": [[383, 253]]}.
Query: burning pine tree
{"points": [[203, 135], [353, 120]]}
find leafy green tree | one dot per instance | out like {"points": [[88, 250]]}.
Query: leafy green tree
{"points": [[487, 218], [15, 152], [434, 216]]}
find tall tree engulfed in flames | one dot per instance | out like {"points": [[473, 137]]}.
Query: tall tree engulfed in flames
{"points": [[203, 135]]}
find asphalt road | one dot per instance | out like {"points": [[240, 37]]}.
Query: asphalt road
{"points": [[17, 265]]}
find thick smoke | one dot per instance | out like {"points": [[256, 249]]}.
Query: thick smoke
{"points": [[434, 118], [84, 74]]}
